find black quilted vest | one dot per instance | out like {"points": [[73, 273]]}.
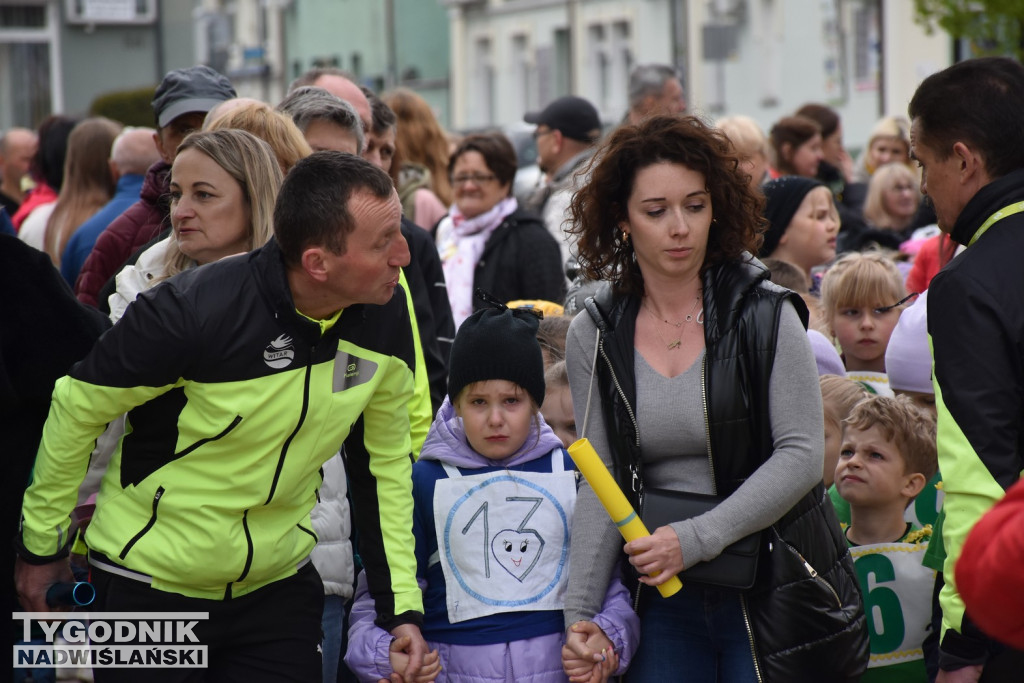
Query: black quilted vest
{"points": [[805, 610]]}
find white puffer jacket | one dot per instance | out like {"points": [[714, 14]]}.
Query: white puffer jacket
{"points": [[332, 523]]}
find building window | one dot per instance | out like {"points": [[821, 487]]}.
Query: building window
{"points": [[621, 65], [769, 44], [562, 63], [523, 75], [482, 112], [865, 47], [600, 66], [29, 63]]}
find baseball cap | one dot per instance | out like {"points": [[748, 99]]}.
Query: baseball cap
{"points": [[197, 88], [573, 116]]}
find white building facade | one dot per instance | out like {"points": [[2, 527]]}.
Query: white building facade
{"points": [[762, 58]]}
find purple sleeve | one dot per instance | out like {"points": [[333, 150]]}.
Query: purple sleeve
{"points": [[619, 622], [368, 644]]}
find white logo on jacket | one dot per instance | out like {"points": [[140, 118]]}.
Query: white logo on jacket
{"points": [[279, 353]]}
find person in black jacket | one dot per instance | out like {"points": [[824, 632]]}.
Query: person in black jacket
{"points": [[424, 273], [972, 161], [705, 383], [487, 242]]}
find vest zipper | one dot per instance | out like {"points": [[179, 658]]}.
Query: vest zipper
{"points": [[707, 421], [714, 488], [813, 573], [618, 388], [750, 633], [298, 425], [636, 430]]}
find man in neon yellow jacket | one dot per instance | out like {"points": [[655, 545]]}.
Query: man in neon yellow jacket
{"points": [[967, 138], [240, 379]]}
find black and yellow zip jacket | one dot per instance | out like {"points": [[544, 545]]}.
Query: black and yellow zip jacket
{"points": [[976, 328], [234, 402]]}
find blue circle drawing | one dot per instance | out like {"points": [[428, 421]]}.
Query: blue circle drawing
{"points": [[561, 561]]}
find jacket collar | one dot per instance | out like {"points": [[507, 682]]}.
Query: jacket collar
{"points": [[271, 274], [989, 199], [157, 185], [724, 287]]}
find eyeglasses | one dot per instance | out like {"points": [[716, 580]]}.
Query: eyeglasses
{"points": [[538, 133], [908, 297], [475, 178]]}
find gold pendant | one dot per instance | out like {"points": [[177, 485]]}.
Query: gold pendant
{"points": [[675, 344]]}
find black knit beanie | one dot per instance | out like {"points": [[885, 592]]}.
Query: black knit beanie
{"points": [[497, 344], [783, 198]]}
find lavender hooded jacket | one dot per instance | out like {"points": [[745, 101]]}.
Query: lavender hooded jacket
{"points": [[533, 660]]}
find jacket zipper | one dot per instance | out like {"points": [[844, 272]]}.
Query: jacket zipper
{"points": [[707, 421], [636, 430], [149, 525], [714, 488], [298, 426], [248, 556], [618, 388], [197, 444], [750, 633], [248, 543], [813, 573]]}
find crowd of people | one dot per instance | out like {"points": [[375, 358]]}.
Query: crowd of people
{"points": [[313, 368]]}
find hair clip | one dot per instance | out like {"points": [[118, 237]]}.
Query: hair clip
{"points": [[492, 300], [908, 297]]}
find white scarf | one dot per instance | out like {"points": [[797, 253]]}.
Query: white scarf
{"points": [[460, 243]]}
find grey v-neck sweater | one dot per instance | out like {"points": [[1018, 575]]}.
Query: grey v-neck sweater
{"points": [[673, 441]]}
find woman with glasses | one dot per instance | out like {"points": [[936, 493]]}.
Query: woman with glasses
{"points": [[487, 241]]}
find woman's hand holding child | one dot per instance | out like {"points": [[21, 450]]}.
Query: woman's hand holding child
{"points": [[588, 656]]}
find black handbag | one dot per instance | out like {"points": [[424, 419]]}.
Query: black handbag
{"points": [[734, 569]]}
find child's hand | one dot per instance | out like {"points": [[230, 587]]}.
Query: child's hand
{"points": [[585, 671], [588, 656], [400, 661]]}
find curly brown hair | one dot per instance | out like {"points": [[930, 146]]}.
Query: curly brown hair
{"points": [[599, 207]]}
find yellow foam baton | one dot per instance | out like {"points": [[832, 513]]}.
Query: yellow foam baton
{"points": [[614, 501]]}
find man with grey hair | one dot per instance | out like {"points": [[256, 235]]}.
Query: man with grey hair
{"points": [[327, 122], [654, 90], [342, 85], [17, 147], [131, 155]]}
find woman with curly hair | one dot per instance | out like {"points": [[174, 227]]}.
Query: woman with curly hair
{"points": [[700, 378]]}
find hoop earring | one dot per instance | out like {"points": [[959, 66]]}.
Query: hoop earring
{"points": [[625, 237]]}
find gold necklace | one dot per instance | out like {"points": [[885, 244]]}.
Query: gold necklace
{"points": [[689, 318]]}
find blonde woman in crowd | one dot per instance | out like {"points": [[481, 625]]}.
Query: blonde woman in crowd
{"points": [[223, 187]]}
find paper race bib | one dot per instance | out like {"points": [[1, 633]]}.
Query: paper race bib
{"points": [[897, 592], [503, 539]]}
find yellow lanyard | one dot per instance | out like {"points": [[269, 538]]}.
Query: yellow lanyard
{"points": [[997, 216]]}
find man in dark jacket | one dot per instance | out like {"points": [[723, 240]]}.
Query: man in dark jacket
{"points": [[424, 272], [180, 103], [967, 138]]}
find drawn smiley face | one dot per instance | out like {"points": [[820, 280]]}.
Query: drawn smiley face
{"points": [[517, 551]]}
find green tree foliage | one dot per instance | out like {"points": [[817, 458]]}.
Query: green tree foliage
{"points": [[993, 27], [130, 107]]}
